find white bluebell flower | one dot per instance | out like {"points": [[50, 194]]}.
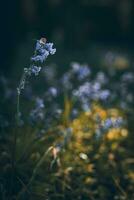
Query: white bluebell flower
{"points": [[39, 103], [75, 67], [101, 78], [85, 106], [53, 91]]}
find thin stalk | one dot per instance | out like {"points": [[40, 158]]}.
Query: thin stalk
{"points": [[34, 173], [15, 142]]}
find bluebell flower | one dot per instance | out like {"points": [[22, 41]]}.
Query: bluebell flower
{"points": [[75, 67], [74, 113], [128, 77], [113, 123], [35, 70], [32, 70], [39, 103], [49, 48], [40, 58], [118, 122], [66, 81], [82, 71], [108, 123], [58, 112], [96, 86], [42, 51], [104, 94], [98, 133], [38, 45], [101, 78], [85, 90], [37, 114], [85, 106], [53, 91]]}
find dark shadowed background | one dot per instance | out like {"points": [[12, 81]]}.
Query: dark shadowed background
{"points": [[73, 26]]}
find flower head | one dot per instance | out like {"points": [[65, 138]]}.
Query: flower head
{"points": [[42, 50]]}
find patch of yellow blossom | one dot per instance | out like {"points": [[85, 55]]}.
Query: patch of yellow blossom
{"points": [[121, 62], [85, 125], [116, 133], [131, 175]]}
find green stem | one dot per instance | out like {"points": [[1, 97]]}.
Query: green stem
{"points": [[34, 173], [15, 142], [18, 108]]}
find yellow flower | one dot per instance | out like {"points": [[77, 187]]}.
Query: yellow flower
{"points": [[131, 175], [117, 133], [90, 168]]}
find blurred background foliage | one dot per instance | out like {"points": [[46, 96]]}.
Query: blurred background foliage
{"points": [[68, 158]]}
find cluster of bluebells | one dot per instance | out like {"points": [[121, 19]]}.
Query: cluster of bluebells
{"points": [[82, 91], [81, 71], [82, 87], [108, 123], [42, 51], [37, 114], [91, 91], [113, 123]]}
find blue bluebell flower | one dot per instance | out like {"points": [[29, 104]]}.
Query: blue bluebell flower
{"points": [[39, 103], [96, 86], [101, 78], [108, 123], [113, 123], [40, 58], [49, 48], [42, 51], [35, 70], [128, 77], [104, 94], [84, 90], [37, 114], [74, 113], [53, 91], [82, 71], [118, 122], [66, 81]]}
